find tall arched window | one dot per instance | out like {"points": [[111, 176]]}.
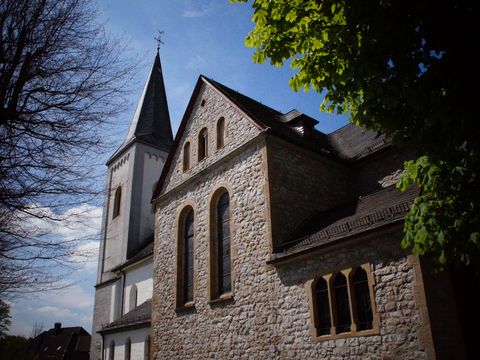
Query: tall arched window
{"points": [[342, 305], [224, 279], [186, 156], [363, 305], [203, 144], [116, 202], [322, 308], [128, 349], [220, 132], [146, 348], [132, 299], [185, 265], [111, 355]]}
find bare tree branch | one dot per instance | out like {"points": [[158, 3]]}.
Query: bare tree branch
{"points": [[61, 78]]}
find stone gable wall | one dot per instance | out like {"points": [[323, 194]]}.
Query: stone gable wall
{"points": [[239, 130]]}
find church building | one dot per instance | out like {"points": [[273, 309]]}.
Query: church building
{"points": [[252, 235], [121, 319]]}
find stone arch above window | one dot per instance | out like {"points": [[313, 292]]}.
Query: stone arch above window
{"points": [[186, 156], [202, 144], [220, 245], [221, 133], [116, 202], [185, 258], [133, 297]]}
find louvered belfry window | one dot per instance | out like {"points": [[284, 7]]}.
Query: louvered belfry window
{"points": [[188, 267], [342, 303], [223, 242], [362, 300], [322, 307]]}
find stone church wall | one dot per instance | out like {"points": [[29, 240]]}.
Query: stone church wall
{"points": [[269, 317], [301, 183]]}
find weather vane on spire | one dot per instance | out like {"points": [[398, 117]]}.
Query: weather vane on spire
{"points": [[159, 39]]}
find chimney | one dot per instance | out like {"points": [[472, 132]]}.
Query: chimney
{"points": [[58, 327]]}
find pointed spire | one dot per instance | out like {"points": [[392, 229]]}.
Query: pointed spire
{"points": [[151, 121]]}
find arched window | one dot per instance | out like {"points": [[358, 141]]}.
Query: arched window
{"points": [[146, 348], [186, 156], [220, 132], [185, 265], [202, 144], [363, 305], [132, 299], [111, 355], [128, 349], [116, 202], [322, 308], [224, 278], [342, 305]]}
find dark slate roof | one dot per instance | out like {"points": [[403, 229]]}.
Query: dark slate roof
{"points": [[346, 144], [138, 316], [354, 142], [151, 121], [365, 213], [282, 125], [142, 253], [63, 343]]}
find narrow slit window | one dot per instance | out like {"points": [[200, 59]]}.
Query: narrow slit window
{"points": [[188, 267], [342, 304], [202, 144], [146, 349], [223, 242], [220, 133], [322, 305], [128, 349], [111, 355], [186, 156], [363, 304], [116, 202], [132, 303]]}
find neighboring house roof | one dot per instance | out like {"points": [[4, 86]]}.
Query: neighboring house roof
{"points": [[345, 144], [71, 343], [139, 316], [151, 121], [368, 212]]}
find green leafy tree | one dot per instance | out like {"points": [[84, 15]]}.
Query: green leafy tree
{"points": [[405, 67]]}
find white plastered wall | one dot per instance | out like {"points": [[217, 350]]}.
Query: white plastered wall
{"points": [[141, 277], [138, 342]]}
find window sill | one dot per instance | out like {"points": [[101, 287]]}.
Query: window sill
{"points": [[186, 307], [350, 334], [224, 298]]}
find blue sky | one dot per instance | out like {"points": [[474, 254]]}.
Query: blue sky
{"points": [[201, 37]]}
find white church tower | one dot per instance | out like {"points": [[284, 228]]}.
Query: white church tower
{"points": [[121, 319]]}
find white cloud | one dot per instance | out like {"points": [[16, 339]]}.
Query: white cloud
{"points": [[195, 13], [56, 312]]}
